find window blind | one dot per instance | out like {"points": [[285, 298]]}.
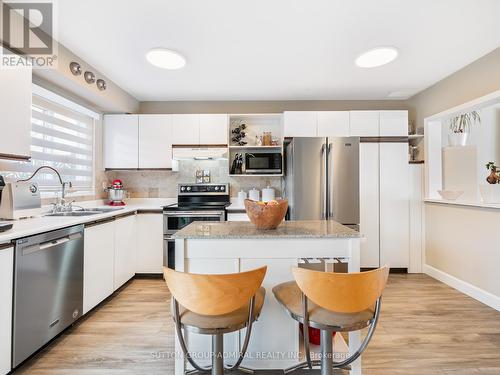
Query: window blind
{"points": [[61, 138]]}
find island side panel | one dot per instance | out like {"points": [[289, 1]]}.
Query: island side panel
{"points": [[355, 337], [180, 364], [275, 335]]}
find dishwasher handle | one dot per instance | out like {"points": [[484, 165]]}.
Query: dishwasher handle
{"points": [[52, 243]]}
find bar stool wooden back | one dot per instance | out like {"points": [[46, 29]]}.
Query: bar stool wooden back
{"points": [[333, 302], [215, 305]]}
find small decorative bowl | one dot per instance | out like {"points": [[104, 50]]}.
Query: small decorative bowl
{"points": [[450, 195], [266, 215]]}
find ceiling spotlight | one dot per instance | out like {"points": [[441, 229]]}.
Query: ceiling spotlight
{"points": [[75, 68], [89, 77], [377, 57], [165, 58], [101, 84]]}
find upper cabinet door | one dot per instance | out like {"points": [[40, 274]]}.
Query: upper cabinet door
{"points": [[121, 141], [213, 129], [155, 141], [333, 124], [393, 123], [15, 112], [364, 123], [301, 124], [186, 129]]}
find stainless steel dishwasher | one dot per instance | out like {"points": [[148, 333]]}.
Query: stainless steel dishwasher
{"points": [[48, 288]]}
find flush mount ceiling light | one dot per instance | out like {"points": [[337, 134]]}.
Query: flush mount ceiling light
{"points": [[165, 58], [377, 57]]}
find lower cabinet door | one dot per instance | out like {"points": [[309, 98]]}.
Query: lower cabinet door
{"points": [[98, 264], [125, 245], [6, 277], [149, 252]]}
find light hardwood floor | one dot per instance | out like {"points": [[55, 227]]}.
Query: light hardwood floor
{"points": [[425, 328]]}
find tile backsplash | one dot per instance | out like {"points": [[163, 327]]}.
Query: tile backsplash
{"points": [[163, 184]]}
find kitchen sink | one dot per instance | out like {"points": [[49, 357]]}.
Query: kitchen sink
{"points": [[103, 209], [75, 213]]}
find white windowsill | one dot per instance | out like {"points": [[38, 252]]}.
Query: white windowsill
{"points": [[463, 203]]}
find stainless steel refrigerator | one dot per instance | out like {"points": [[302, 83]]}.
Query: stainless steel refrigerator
{"points": [[322, 179]]}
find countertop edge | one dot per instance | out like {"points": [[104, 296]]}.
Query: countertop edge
{"points": [[54, 223]]}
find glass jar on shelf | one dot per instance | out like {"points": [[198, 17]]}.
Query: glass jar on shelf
{"points": [[267, 138]]}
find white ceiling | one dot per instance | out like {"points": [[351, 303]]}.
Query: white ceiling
{"points": [[278, 49]]}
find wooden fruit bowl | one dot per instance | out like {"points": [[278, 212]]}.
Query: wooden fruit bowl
{"points": [[266, 215]]}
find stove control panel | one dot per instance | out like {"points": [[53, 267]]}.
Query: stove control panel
{"points": [[202, 189]]}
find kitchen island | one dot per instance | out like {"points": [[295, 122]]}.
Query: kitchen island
{"points": [[228, 247]]}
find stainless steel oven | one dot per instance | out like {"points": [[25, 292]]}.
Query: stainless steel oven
{"points": [[196, 202]]}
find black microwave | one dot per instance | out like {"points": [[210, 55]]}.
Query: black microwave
{"points": [[263, 162]]}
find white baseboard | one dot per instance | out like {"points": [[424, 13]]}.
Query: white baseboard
{"points": [[479, 294]]}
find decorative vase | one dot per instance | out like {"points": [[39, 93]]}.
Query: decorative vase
{"points": [[458, 139], [490, 193]]}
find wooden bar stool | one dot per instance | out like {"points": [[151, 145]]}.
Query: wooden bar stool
{"points": [[333, 302], [215, 305]]}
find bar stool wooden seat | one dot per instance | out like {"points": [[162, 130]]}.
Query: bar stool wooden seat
{"points": [[333, 302], [215, 305]]}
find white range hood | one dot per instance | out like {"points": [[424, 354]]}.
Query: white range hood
{"points": [[196, 153]]}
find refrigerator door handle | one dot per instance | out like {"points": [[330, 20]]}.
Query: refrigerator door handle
{"points": [[323, 184], [330, 207]]}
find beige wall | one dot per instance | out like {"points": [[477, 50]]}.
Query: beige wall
{"points": [[460, 241], [268, 106], [475, 80]]}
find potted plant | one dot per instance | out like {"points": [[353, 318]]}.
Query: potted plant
{"points": [[460, 127], [490, 193]]}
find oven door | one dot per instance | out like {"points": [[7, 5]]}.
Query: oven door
{"points": [[174, 221], [168, 252]]}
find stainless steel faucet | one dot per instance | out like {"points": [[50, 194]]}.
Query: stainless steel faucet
{"points": [[61, 204]]}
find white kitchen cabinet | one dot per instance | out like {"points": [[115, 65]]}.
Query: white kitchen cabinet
{"points": [[369, 204], [6, 292], [300, 123], [186, 129], [125, 250], [416, 217], [98, 264], [213, 129], [15, 112], [121, 141], [393, 123], [384, 204], [155, 141], [394, 205], [333, 124], [364, 123], [149, 253]]}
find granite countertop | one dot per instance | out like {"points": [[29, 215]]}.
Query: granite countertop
{"points": [[287, 229], [40, 224]]}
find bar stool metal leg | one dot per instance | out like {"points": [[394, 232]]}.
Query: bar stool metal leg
{"points": [[326, 352], [217, 354]]}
